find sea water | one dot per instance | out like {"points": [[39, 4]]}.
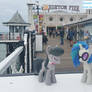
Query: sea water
{"points": [[2, 52]]}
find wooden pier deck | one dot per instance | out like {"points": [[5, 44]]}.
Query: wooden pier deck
{"points": [[66, 65]]}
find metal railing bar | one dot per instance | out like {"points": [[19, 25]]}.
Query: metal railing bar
{"points": [[10, 59]]}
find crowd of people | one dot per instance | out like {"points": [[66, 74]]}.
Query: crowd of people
{"points": [[71, 35]]}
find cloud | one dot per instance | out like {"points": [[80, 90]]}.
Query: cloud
{"points": [[9, 7]]}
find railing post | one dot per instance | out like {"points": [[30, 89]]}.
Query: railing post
{"points": [[25, 46], [30, 53]]}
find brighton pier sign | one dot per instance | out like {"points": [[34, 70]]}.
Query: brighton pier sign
{"points": [[61, 7]]}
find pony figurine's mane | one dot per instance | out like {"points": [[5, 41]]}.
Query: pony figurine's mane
{"points": [[46, 62], [75, 52]]}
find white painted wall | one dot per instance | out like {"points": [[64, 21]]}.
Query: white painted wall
{"points": [[39, 46]]}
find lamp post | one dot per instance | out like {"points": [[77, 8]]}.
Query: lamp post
{"points": [[37, 4]]}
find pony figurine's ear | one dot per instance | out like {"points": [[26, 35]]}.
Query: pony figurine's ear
{"points": [[81, 47], [48, 49]]}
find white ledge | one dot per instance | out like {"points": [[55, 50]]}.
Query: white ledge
{"points": [[10, 59], [65, 83]]}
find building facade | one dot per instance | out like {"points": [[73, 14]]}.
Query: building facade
{"points": [[53, 20]]}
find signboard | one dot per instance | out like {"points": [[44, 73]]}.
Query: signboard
{"points": [[41, 18], [60, 7], [39, 43], [45, 7]]}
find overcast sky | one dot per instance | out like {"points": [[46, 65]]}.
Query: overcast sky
{"points": [[9, 7]]}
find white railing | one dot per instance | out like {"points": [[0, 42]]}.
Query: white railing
{"points": [[11, 59]]}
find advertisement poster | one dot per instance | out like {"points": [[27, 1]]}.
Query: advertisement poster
{"points": [[38, 21]]}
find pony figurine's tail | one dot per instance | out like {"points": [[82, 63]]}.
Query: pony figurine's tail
{"points": [[75, 52]]}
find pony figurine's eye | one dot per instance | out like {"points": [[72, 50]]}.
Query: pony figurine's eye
{"points": [[55, 58], [85, 56]]}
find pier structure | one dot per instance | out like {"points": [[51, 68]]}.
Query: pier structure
{"points": [[17, 27], [19, 36], [22, 62], [30, 16]]}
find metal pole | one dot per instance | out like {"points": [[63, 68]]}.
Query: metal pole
{"points": [[56, 20], [25, 44], [77, 32], [30, 53], [45, 22], [38, 14]]}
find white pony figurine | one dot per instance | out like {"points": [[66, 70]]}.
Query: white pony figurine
{"points": [[81, 53]]}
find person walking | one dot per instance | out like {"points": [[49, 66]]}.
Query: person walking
{"points": [[45, 39], [71, 34]]}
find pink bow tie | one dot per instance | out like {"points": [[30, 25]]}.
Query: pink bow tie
{"points": [[52, 63]]}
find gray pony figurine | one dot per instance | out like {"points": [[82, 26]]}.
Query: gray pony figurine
{"points": [[46, 68]]}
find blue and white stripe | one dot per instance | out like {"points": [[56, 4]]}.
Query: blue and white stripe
{"points": [[87, 4]]}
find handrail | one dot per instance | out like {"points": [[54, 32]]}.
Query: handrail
{"points": [[10, 59]]}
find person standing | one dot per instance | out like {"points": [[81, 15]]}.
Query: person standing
{"points": [[86, 36], [50, 33], [62, 37], [54, 33], [75, 35], [81, 34]]}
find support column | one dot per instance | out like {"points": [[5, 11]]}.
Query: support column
{"points": [[56, 20], [30, 17], [13, 31], [26, 49], [9, 37], [77, 32], [45, 26], [67, 31], [30, 53], [22, 32]]}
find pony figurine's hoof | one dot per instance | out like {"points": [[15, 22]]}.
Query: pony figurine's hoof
{"points": [[54, 81], [84, 79], [81, 54], [89, 82], [49, 84], [41, 80]]}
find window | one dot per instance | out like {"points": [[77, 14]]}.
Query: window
{"points": [[81, 18], [61, 19], [71, 19], [50, 19]]}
